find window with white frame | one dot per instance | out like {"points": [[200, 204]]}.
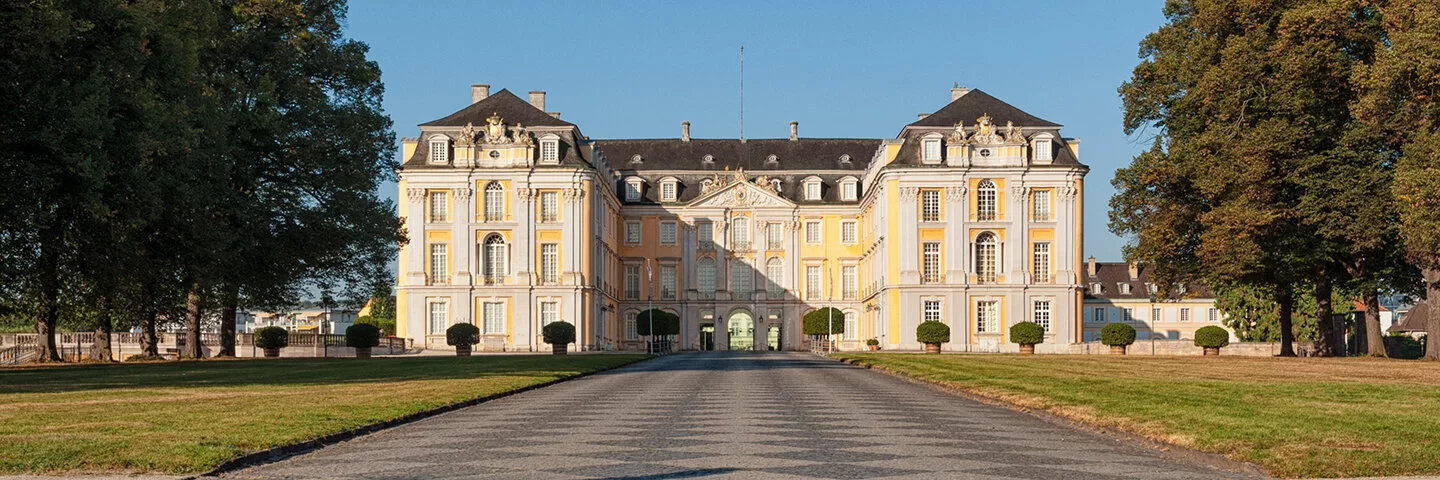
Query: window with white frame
{"points": [[1184, 314], [1153, 288], [1042, 149], [632, 233], [775, 276], [668, 233], [1097, 289], [439, 206], [742, 280], [849, 282], [852, 326], [1040, 205], [550, 263], [440, 150], [930, 262], [740, 232], [549, 313], [987, 316], [775, 235], [812, 189], [668, 284], [812, 233], [932, 150], [929, 205], [986, 248], [849, 190], [494, 202], [496, 252], [668, 189], [848, 232], [1127, 315], [1098, 315], [630, 332], [1157, 315], [812, 282], [1124, 289], [1040, 267], [439, 263], [494, 314], [705, 275], [549, 206], [705, 232], [549, 150], [986, 208], [632, 282], [1040, 314], [930, 310], [632, 189], [439, 317], [1213, 316]]}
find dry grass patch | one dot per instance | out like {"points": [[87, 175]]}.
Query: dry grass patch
{"points": [[1293, 417]]}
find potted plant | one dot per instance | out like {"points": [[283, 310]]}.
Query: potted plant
{"points": [[1213, 338], [271, 340], [932, 334], [462, 336], [558, 335], [1027, 334], [872, 344], [1117, 336], [362, 337]]}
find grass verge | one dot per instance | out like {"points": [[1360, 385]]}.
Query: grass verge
{"points": [[187, 417], [1293, 417]]}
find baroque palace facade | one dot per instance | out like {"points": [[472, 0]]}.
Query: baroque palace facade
{"points": [[971, 216]]}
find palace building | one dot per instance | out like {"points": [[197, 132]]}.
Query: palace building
{"points": [[971, 215]]}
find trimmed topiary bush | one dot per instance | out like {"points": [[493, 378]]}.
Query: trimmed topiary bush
{"points": [[363, 337], [1212, 337], [560, 334], [813, 323], [272, 339], [1027, 333], [462, 334], [666, 323], [932, 334], [1117, 335], [872, 342]]}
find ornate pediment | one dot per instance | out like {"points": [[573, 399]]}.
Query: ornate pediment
{"points": [[740, 193], [987, 133]]}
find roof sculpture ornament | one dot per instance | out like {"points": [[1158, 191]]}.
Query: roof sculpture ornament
{"points": [[522, 137], [984, 132], [958, 136], [468, 134], [495, 129], [1013, 133]]}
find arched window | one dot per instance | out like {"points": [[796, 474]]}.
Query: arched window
{"points": [[775, 276], [742, 282], [986, 249], [985, 206], [494, 202], [496, 252], [705, 276], [740, 233]]}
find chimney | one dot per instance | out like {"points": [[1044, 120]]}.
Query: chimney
{"points": [[478, 92], [794, 130], [921, 116], [684, 131], [1091, 268], [1134, 270], [537, 98], [958, 91]]}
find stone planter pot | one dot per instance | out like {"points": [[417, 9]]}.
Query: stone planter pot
{"points": [[362, 352], [1117, 349], [462, 350], [1212, 351], [1027, 349], [557, 349], [872, 347], [272, 352], [932, 348]]}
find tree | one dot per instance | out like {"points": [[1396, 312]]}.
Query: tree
{"points": [[1253, 313], [666, 323], [823, 321]]}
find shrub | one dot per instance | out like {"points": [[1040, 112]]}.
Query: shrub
{"points": [[462, 334], [1212, 337], [362, 335], [666, 323], [561, 333], [272, 337], [145, 358], [1117, 334], [814, 322], [932, 332], [1027, 333], [387, 326], [872, 342]]}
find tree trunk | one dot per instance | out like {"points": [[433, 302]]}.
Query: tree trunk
{"points": [[47, 313], [1374, 338], [149, 341], [1324, 317], [193, 312], [1432, 327], [227, 323], [104, 325], [1286, 300]]}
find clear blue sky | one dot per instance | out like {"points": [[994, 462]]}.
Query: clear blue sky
{"points": [[841, 69]]}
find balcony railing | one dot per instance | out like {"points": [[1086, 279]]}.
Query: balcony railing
{"points": [[849, 294], [707, 295], [741, 295], [707, 245], [740, 246], [932, 278], [632, 294], [492, 280], [437, 280], [775, 245]]}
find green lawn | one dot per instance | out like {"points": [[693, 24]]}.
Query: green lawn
{"points": [[1293, 417], [186, 417]]}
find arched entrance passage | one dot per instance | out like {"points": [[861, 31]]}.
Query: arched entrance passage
{"points": [[741, 329]]}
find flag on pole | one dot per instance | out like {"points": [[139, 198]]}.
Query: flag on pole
{"points": [[649, 280]]}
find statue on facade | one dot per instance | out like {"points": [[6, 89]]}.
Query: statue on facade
{"points": [[984, 132], [1012, 133], [467, 134], [521, 136], [958, 136], [495, 129]]}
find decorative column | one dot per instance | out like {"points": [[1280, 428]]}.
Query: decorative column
{"points": [[908, 241], [465, 236], [415, 229], [956, 236], [522, 244]]}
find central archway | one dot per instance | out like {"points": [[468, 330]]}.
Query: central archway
{"points": [[741, 330]]}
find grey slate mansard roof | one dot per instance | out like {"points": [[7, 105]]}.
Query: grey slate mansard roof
{"points": [[514, 111], [968, 109], [1111, 274], [796, 160]]}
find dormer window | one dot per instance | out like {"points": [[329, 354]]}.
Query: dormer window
{"points": [[668, 189], [930, 148], [635, 159], [812, 189], [1124, 289], [845, 160], [772, 161], [707, 160], [550, 149], [440, 150], [1043, 148], [1153, 288], [633, 187], [1097, 289], [849, 189]]}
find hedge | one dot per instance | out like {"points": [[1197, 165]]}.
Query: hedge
{"points": [[814, 322]]}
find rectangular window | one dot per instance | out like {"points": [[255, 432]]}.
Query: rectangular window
{"points": [[1099, 315], [929, 205], [812, 191], [439, 152], [439, 317], [1156, 315], [630, 332], [494, 202], [494, 313], [667, 192], [1128, 315], [1041, 205], [439, 264], [550, 263], [550, 151], [849, 282], [1041, 314], [439, 207], [852, 326], [632, 282], [848, 191], [775, 236], [930, 263], [667, 282], [1041, 262], [549, 206], [932, 150], [549, 313], [706, 277], [812, 233], [706, 233], [1213, 316], [848, 232], [930, 310], [812, 282], [668, 233], [1184, 315], [1042, 150], [740, 233], [632, 233], [987, 316], [632, 191]]}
